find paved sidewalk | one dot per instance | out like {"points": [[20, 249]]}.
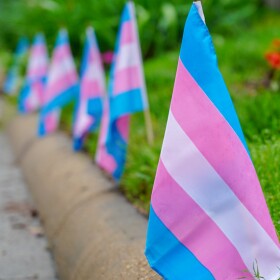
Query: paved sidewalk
{"points": [[24, 251]]}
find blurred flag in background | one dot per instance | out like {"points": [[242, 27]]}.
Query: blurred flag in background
{"points": [[126, 95], [92, 91], [12, 81], [62, 84], [31, 95]]}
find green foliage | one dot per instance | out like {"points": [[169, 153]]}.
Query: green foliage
{"points": [[67, 117], [229, 13], [160, 22], [260, 115], [266, 157]]}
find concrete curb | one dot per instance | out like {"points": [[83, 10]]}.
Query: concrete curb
{"points": [[93, 231]]}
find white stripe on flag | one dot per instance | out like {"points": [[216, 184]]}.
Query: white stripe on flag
{"points": [[94, 73], [128, 56], [38, 62], [60, 69], [198, 179], [82, 121], [33, 99], [200, 10]]}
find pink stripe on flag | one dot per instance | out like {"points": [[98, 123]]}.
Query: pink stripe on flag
{"points": [[38, 50], [38, 71], [29, 105], [105, 160], [127, 79], [127, 35], [62, 51], [35, 97], [187, 221], [39, 88], [102, 158], [104, 122], [83, 121], [197, 177], [219, 145], [51, 121], [90, 89], [60, 85], [123, 126]]}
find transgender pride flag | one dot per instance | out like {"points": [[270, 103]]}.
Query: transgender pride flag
{"points": [[92, 91], [13, 76], [208, 216], [61, 87], [31, 95], [127, 94]]}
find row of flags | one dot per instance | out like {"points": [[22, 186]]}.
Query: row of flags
{"points": [[51, 85], [62, 85], [208, 216]]}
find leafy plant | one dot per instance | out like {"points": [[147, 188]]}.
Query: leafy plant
{"points": [[273, 60]]}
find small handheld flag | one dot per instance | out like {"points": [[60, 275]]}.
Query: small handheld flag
{"points": [[11, 83], [208, 216], [103, 158], [62, 85], [127, 92], [31, 95], [92, 91]]}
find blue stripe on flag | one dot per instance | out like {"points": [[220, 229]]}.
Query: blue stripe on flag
{"points": [[23, 95], [95, 109], [169, 257], [62, 38], [11, 80], [126, 103], [117, 146], [78, 143], [85, 59], [39, 39], [198, 56], [22, 46], [61, 100], [25, 92], [126, 14], [41, 128]]}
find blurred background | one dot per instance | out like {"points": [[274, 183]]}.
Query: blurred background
{"points": [[246, 36], [160, 22]]}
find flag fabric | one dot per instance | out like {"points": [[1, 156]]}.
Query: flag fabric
{"points": [[208, 216], [92, 90], [31, 95], [127, 94], [102, 157], [12, 80], [61, 87]]}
